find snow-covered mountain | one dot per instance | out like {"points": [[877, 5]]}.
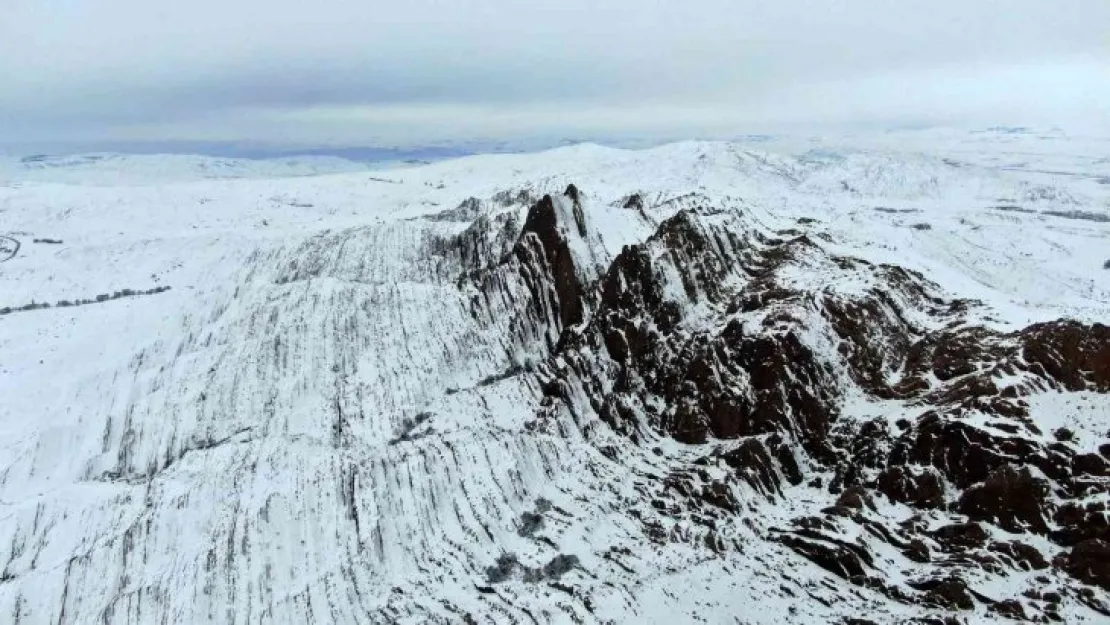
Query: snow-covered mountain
{"points": [[791, 382]]}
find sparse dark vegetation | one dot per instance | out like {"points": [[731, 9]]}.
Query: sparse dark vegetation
{"points": [[408, 425], [922, 226], [508, 564], [1083, 215], [634, 201], [559, 566], [531, 522], [99, 299], [507, 197], [468, 210], [1106, 265], [50, 241], [512, 371]]}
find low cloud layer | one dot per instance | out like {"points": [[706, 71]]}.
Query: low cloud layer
{"points": [[336, 72]]}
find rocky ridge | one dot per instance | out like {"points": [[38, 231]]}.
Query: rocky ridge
{"points": [[710, 333]]}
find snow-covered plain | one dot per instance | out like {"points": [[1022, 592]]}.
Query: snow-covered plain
{"points": [[311, 425]]}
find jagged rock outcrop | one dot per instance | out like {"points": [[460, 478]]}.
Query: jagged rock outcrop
{"points": [[707, 333]]}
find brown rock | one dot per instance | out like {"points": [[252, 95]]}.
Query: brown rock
{"points": [[921, 487], [918, 551], [753, 463], [1025, 557], [1079, 522], [856, 498], [836, 557], [960, 536], [1010, 608], [949, 592], [1089, 562], [1090, 464], [1012, 498], [634, 201], [718, 494], [1075, 355], [542, 222]]}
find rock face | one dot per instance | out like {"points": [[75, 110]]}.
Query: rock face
{"points": [[555, 403], [705, 335]]}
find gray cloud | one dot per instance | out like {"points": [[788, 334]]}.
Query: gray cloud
{"points": [[339, 71]]}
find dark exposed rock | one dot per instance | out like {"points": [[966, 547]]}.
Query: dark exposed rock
{"points": [[1014, 499], [634, 201], [917, 551], [542, 222], [1089, 562], [763, 463], [1024, 557], [572, 192], [951, 593], [839, 559], [1048, 596], [960, 536], [1009, 608], [718, 494], [1075, 356], [921, 487], [1079, 522], [856, 498], [1090, 464], [966, 454]]}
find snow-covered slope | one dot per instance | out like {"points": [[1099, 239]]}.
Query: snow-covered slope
{"points": [[698, 383], [111, 169]]}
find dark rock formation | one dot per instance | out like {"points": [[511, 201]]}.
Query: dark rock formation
{"points": [[1013, 499], [1089, 562], [704, 334], [920, 487]]}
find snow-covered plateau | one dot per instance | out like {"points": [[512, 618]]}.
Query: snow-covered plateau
{"points": [[857, 380]]}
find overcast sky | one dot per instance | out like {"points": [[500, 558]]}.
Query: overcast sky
{"points": [[406, 72]]}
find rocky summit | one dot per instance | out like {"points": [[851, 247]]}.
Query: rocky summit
{"points": [[697, 383]]}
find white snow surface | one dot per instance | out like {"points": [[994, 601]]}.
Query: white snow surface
{"points": [[295, 432]]}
